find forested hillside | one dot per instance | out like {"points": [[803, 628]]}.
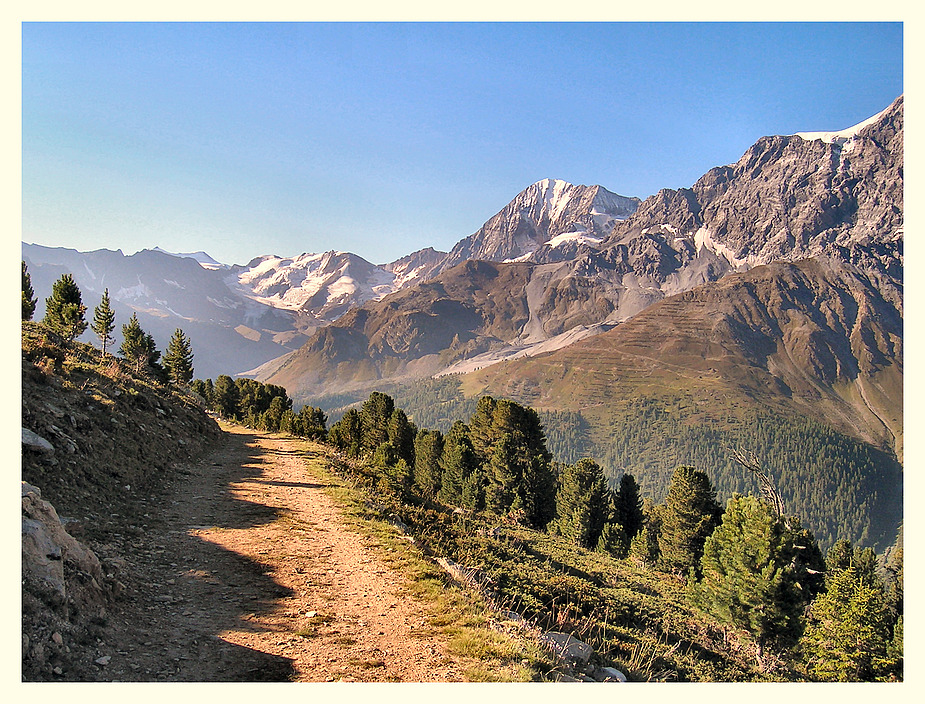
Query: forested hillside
{"points": [[683, 586]]}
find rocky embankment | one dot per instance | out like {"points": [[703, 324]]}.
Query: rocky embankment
{"points": [[97, 442]]}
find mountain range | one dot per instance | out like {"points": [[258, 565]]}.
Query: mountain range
{"points": [[776, 281]]}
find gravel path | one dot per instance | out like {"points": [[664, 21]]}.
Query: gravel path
{"points": [[249, 573]]}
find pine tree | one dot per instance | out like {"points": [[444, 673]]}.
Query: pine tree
{"points": [[313, 423], [401, 434], [374, 415], [481, 428], [225, 397], [613, 540], [504, 473], [28, 295], [627, 506], [347, 433], [136, 347], [848, 636], [537, 491], [274, 414], [472, 494], [104, 322], [757, 573], [179, 359], [582, 503], [64, 312], [428, 449], [688, 516], [456, 464]]}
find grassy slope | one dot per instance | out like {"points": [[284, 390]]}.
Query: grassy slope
{"points": [[117, 437], [638, 620]]}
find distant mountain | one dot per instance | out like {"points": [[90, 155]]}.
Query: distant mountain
{"points": [[230, 331], [786, 199], [548, 210], [205, 261]]}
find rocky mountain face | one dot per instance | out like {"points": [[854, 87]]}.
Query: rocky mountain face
{"points": [[549, 210], [787, 199], [818, 335]]}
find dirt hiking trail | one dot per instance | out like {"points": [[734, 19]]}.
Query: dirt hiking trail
{"points": [[248, 572]]}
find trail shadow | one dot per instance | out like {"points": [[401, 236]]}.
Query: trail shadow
{"points": [[199, 591]]}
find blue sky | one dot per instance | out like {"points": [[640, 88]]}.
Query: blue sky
{"points": [[380, 139]]}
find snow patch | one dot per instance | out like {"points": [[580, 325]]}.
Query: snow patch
{"points": [[578, 237], [843, 137], [704, 239]]}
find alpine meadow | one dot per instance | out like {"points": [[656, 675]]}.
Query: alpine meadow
{"points": [[602, 438]]}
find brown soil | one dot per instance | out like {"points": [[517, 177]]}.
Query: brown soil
{"points": [[248, 572]]}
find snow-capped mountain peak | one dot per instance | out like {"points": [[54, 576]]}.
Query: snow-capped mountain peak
{"points": [[843, 136]]}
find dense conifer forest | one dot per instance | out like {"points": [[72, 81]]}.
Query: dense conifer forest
{"points": [[838, 485]]}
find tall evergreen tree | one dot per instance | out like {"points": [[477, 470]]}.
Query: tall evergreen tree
{"points": [[756, 573], [481, 429], [374, 415], [848, 636], [627, 506], [504, 472], [472, 494], [582, 503], [457, 463], [428, 449], [537, 493], [179, 359], [225, 397], [313, 423], [64, 312], [401, 434], [136, 344], [28, 295], [688, 516], [347, 433], [104, 322]]}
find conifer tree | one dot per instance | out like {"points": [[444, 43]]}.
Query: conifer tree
{"points": [[179, 359], [472, 494], [64, 312], [225, 397], [457, 463], [503, 472], [401, 434], [347, 433], [481, 431], [375, 414], [582, 503], [274, 414], [758, 573], [428, 449], [386, 455], [848, 636], [627, 506], [537, 492], [613, 540], [688, 516], [136, 344], [313, 423], [28, 295], [104, 322]]}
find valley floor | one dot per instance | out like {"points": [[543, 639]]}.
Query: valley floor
{"points": [[248, 572]]}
